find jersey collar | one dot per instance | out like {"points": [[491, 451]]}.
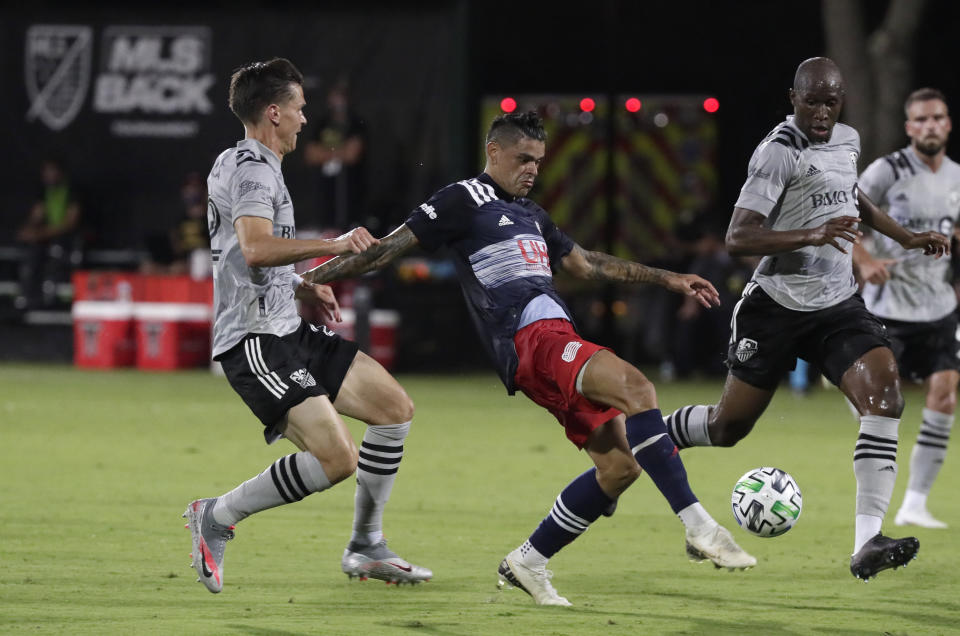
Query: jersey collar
{"points": [[500, 192], [272, 159], [793, 128]]}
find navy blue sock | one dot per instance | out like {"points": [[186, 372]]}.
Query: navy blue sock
{"points": [[659, 457], [579, 505]]}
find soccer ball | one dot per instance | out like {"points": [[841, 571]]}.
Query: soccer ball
{"points": [[766, 502]]}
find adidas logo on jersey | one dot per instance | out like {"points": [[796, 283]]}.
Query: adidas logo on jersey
{"points": [[812, 170], [504, 221]]}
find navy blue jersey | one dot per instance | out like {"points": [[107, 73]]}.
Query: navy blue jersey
{"points": [[506, 249]]}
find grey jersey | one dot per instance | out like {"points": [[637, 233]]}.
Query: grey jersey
{"points": [[919, 199], [799, 185], [246, 181]]}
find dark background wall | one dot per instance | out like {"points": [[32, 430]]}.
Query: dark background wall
{"points": [[418, 71]]}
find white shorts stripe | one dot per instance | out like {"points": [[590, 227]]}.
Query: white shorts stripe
{"points": [[248, 349], [264, 365], [736, 308]]}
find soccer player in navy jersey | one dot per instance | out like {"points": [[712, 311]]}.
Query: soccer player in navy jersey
{"points": [[506, 250], [800, 209]]}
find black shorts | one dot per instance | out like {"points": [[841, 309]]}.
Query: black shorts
{"points": [[273, 374], [767, 338], [923, 348]]}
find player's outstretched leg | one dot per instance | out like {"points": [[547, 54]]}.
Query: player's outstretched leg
{"points": [[881, 553], [579, 505], [211, 521], [657, 454], [209, 540], [367, 554]]}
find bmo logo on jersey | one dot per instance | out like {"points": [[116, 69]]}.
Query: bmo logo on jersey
{"points": [[534, 252], [837, 197]]}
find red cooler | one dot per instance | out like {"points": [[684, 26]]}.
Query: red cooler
{"points": [[103, 334], [172, 335]]}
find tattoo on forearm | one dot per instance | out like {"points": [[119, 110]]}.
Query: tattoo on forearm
{"points": [[352, 265], [610, 268]]}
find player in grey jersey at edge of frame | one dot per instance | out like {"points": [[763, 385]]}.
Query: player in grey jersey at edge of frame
{"points": [[799, 209], [295, 377], [505, 249], [920, 188]]}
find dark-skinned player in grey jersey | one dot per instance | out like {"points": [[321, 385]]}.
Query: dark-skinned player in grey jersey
{"points": [[505, 249], [800, 209]]}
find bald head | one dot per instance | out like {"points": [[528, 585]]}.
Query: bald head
{"points": [[818, 72], [817, 98]]}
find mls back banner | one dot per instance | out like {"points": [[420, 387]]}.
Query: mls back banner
{"points": [[130, 103]]}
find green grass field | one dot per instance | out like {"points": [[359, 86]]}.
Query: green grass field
{"points": [[98, 467]]}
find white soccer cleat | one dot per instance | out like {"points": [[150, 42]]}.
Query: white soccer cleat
{"points": [[209, 540], [715, 543], [918, 517], [535, 582], [380, 562]]}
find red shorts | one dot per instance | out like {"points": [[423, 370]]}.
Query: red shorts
{"points": [[551, 356]]}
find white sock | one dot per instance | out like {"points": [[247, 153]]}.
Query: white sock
{"points": [[929, 452], [289, 479], [695, 516], [531, 557], [913, 500], [867, 528], [687, 426], [875, 467], [380, 455]]}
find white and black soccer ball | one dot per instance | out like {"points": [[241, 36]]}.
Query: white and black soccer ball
{"points": [[766, 502]]}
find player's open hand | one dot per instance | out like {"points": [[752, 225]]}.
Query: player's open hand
{"points": [[321, 296], [876, 270], [692, 285], [932, 243], [355, 241], [835, 230]]}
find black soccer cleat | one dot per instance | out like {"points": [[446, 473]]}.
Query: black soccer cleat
{"points": [[881, 553]]}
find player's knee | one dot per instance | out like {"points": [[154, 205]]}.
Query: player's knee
{"points": [[338, 459], [942, 402], [617, 477], [727, 433], [886, 401], [640, 393], [399, 409]]}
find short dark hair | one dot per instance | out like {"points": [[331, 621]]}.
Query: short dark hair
{"points": [[507, 129], [923, 95], [255, 86]]}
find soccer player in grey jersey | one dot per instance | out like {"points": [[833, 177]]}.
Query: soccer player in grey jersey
{"points": [[920, 188], [799, 209], [295, 377]]}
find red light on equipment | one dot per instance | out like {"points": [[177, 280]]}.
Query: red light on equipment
{"points": [[711, 105], [587, 105], [508, 104], [632, 105]]}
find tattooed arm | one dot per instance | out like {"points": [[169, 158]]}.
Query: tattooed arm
{"points": [[389, 248], [599, 266]]}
